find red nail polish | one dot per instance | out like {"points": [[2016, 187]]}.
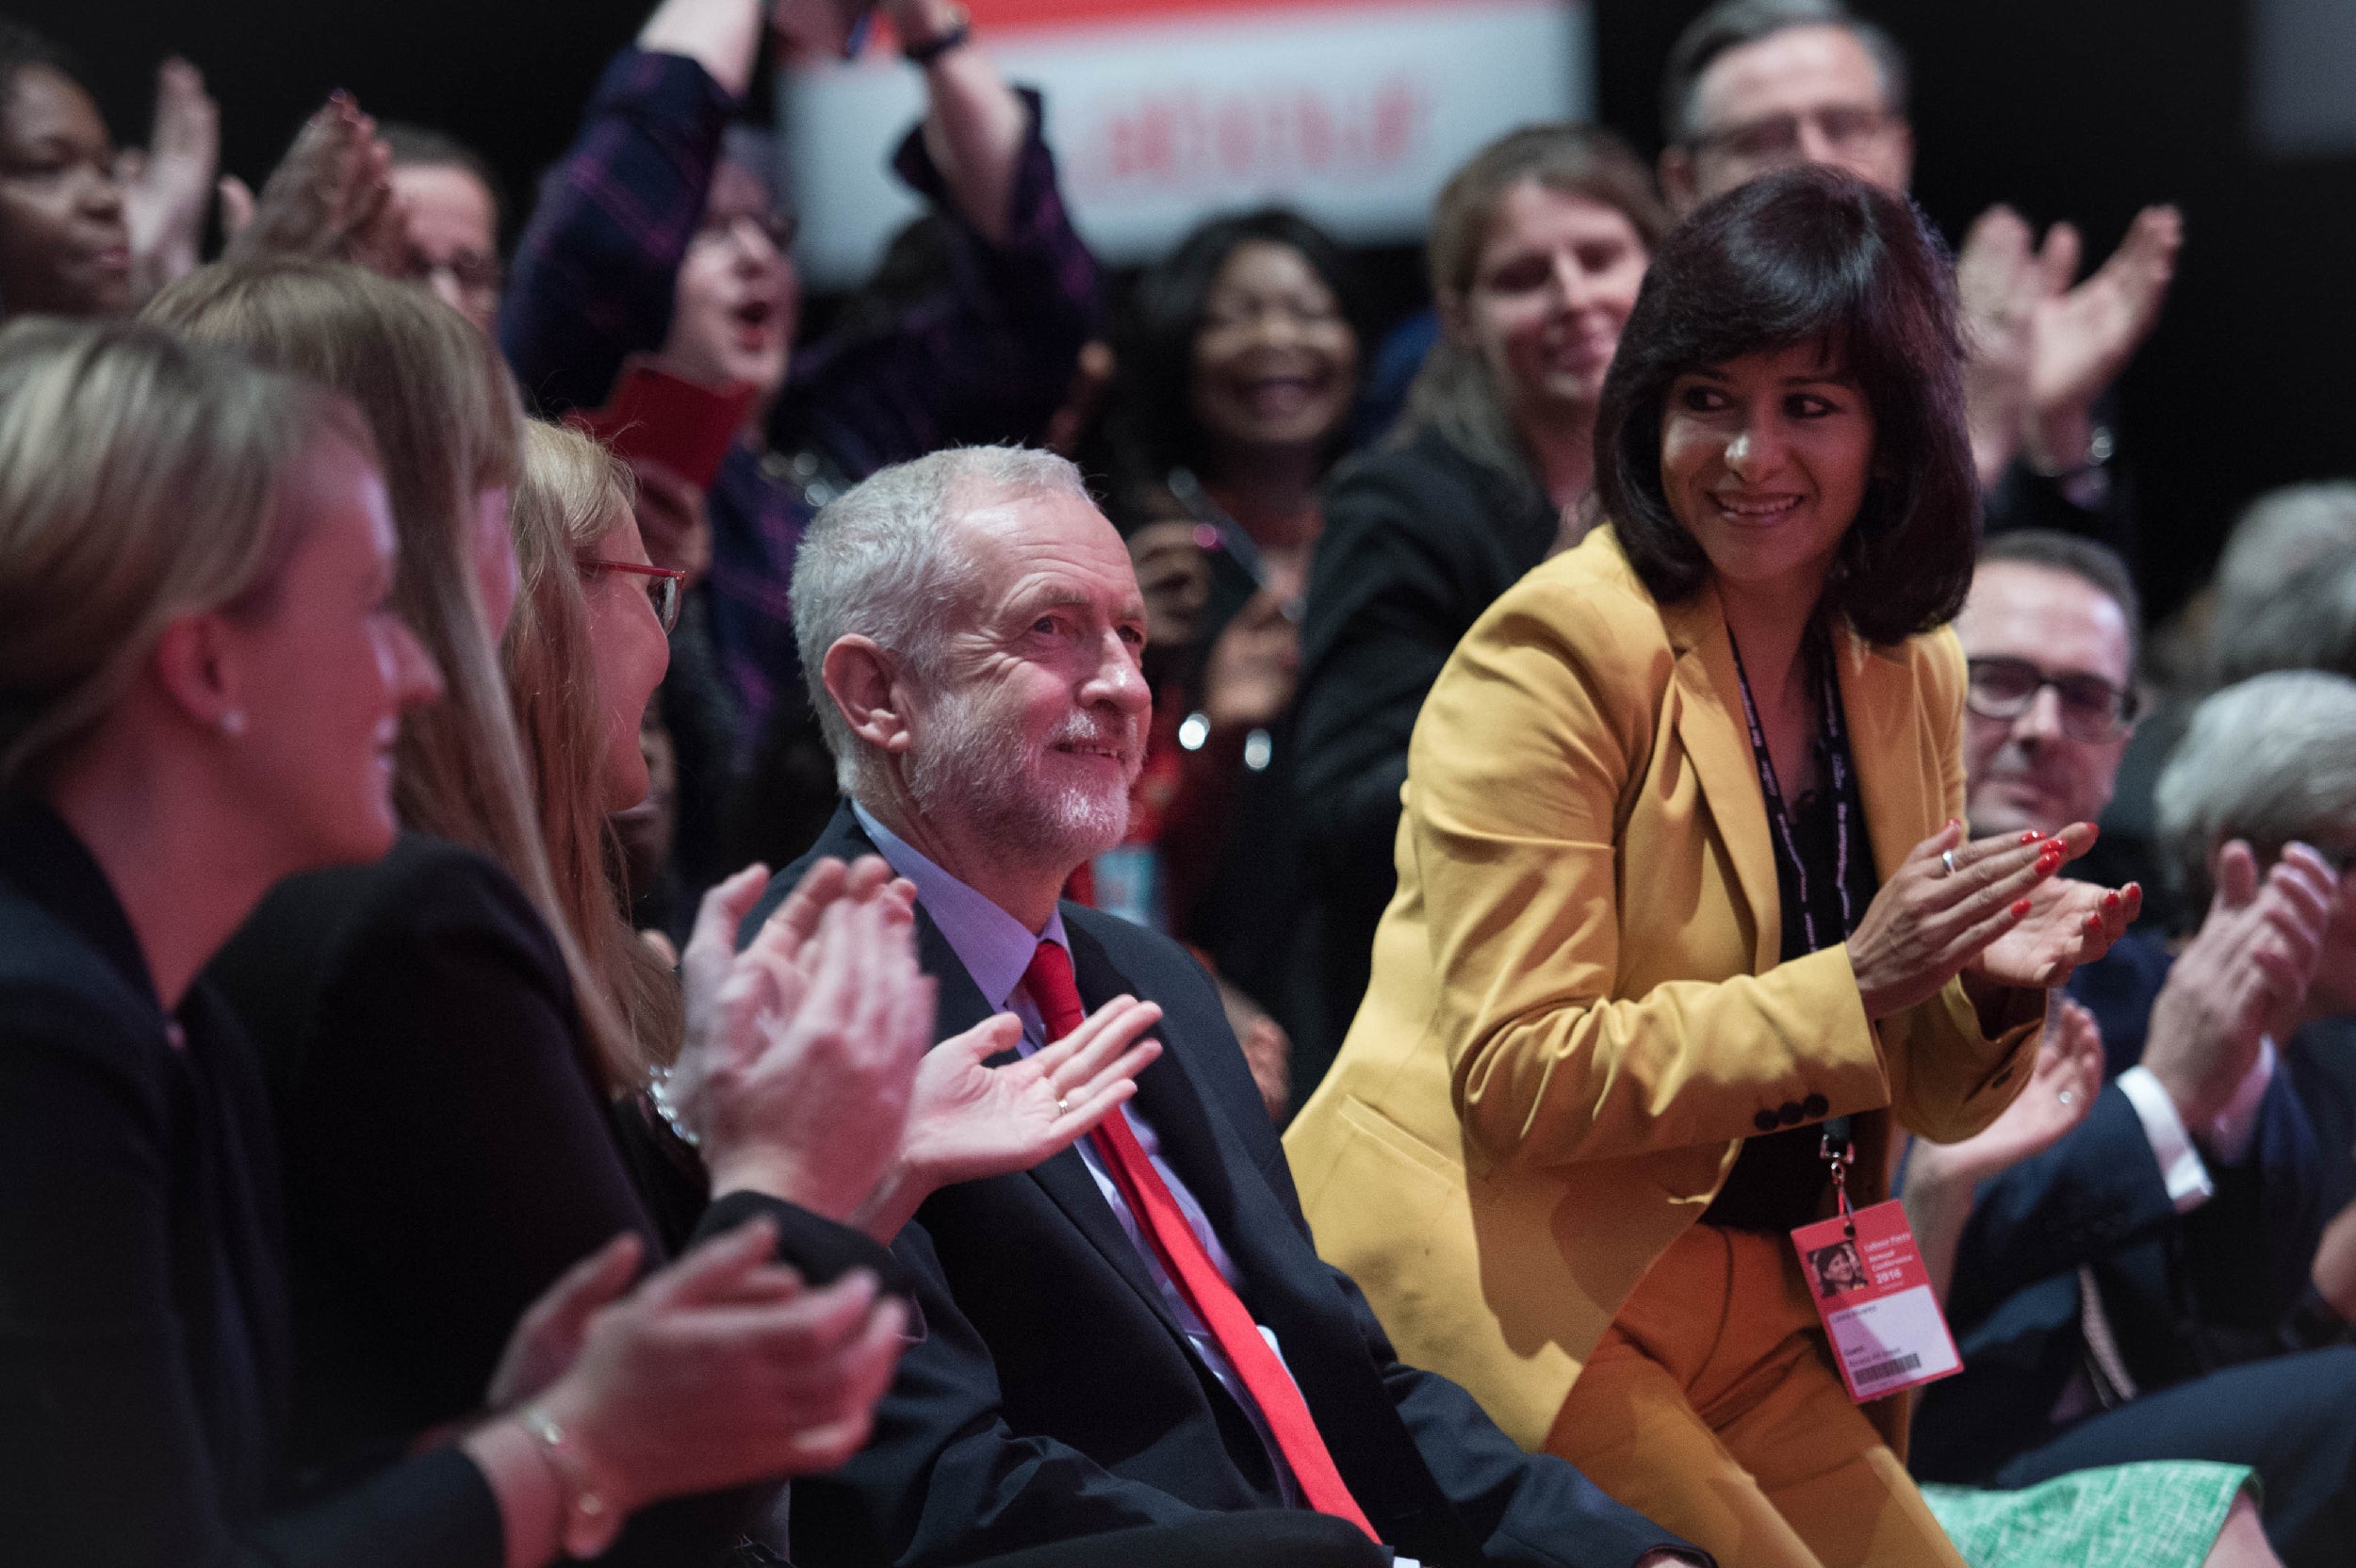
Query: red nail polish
{"points": [[2020, 909], [2031, 836], [2110, 900]]}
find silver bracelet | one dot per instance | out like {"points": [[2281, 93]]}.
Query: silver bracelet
{"points": [[667, 1107], [590, 1519]]}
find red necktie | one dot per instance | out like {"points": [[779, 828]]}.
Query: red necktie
{"points": [[1183, 1254]]}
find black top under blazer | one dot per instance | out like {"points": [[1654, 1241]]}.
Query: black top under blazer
{"points": [[1419, 539], [144, 1338], [1055, 1396]]}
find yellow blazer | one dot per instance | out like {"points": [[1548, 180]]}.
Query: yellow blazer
{"points": [[1576, 1009]]}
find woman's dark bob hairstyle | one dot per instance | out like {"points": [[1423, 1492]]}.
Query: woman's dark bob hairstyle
{"points": [[1153, 427], [1809, 256]]}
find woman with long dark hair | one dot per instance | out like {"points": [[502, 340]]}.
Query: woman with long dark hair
{"points": [[1687, 927], [1238, 368]]}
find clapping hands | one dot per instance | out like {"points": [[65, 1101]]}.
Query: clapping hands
{"points": [[2043, 348], [168, 185], [808, 1071], [329, 199], [801, 1051]]}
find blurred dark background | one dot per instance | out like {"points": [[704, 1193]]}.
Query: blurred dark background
{"points": [[2084, 109]]}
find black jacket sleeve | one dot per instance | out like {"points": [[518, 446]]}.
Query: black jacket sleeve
{"points": [[118, 1448]]}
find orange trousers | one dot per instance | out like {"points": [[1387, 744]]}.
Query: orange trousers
{"points": [[1714, 1408]]}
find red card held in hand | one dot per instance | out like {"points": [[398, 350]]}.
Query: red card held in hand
{"points": [[679, 425]]}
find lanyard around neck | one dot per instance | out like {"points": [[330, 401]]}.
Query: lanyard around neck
{"points": [[1834, 738]]}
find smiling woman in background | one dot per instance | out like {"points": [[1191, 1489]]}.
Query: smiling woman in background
{"points": [[1238, 367], [1537, 247], [1649, 962]]}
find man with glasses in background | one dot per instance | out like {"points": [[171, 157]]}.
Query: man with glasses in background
{"points": [[1754, 86], [2114, 1294]]}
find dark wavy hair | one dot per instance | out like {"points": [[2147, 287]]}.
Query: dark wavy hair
{"points": [[1152, 426], [1809, 256]]}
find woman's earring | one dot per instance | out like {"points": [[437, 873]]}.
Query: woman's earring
{"points": [[232, 723]]}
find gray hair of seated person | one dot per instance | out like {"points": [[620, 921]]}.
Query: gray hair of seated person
{"points": [[2279, 536], [883, 560], [2269, 761], [1733, 23], [2307, 622]]}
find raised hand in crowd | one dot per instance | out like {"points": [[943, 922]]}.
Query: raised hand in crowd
{"points": [[1994, 912], [330, 198], [2044, 350], [2242, 978], [1941, 1177], [168, 185]]}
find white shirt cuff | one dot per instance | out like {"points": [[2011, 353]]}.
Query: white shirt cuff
{"points": [[2181, 1170], [2237, 1126]]}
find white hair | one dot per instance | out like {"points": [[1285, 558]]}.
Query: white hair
{"points": [[2281, 534], [882, 562], [2269, 761]]}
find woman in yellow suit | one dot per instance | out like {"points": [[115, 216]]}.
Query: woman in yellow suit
{"points": [[1652, 954]]}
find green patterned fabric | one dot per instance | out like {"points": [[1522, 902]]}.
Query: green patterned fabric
{"points": [[2160, 1515]]}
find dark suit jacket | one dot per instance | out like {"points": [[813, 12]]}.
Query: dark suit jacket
{"points": [[2184, 1294], [1054, 1395], [144, 1343], [1419, 539], [448, 1153]]}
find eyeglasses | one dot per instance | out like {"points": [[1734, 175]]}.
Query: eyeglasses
{"points": [[2092, 709], [779, 228], [665, 586], [1774, 139]]}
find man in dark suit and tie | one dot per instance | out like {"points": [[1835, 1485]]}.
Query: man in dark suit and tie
{"points": [[1137, 1332]]}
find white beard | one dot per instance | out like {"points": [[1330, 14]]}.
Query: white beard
{"points": [[976, 766]]}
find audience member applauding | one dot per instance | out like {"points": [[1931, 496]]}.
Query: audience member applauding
{"points": [[202, 676], [1138, 1331], [1652, 964], [659, 235], [1754, 86], [1238, 363], [1537, 246], [2178, 1513], [2170, 1235], [461, 1069]]}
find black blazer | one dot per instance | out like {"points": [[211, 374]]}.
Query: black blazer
{"points": [[144, 1344], [1419, 539], [2183, 1294], [1055, 1396], [448, 1154]]}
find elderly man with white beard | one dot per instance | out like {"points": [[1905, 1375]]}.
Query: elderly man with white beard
{"points": [[1137, 1336]]}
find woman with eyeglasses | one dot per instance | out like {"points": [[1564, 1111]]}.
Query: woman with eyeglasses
{"points": [[1687, 927]]}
